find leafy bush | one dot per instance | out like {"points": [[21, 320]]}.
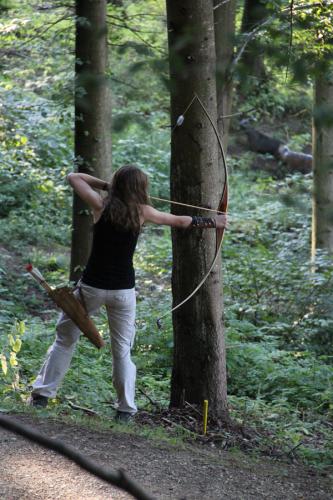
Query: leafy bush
{"points": [[10, 347], [299, 379]]}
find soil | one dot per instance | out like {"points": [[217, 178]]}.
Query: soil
{"points": [[29, 472]]}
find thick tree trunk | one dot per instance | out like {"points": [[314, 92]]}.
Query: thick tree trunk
{"points": [[224, 20], [199, 369], [322, 218], [92, 117]]}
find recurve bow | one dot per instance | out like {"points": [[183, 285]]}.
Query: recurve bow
{"points": [[222, 207]]}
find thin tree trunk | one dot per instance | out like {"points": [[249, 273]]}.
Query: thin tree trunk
{"points": [[199, 369], [92, 117], [224, 19], [253, 14], [322, 218]]}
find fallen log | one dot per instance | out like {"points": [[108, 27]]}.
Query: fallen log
{"points": [[264, 144], [301, 162], [259, 142]]}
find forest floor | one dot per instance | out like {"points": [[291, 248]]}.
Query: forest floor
{"points": [[166, 471]]}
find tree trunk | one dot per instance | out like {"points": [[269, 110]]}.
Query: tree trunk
{"points": [[252, 61], [322, 217], [224, 20], [92, 117], [199, 368]]}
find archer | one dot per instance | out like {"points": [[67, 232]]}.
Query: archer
{"points": [[109, 278]]}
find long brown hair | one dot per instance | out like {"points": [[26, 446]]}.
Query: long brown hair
{"points": [[128, 190]]}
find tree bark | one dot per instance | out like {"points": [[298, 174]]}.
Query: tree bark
{"points": [[199, 368], [224, 20], [92, 117], [322, 216]]}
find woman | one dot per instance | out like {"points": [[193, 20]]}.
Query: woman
{"points": [[109, 278]]}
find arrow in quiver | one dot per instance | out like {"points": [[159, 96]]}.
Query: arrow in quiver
{"points": [[66, 300]]}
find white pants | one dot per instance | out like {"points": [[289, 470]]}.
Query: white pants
{"points": [[120, 306]]}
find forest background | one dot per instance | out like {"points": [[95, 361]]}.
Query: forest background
{"points": [[278, 312]]}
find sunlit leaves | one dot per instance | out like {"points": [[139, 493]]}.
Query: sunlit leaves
{"points": [[12, 359], [4, 366], [8, 356], [17, 345]]}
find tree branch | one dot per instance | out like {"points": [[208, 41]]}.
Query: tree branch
{"points": [[220, 4], [40, 33], [253, 33]]}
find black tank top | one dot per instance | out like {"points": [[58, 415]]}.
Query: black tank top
{"points": [[110, 265]]}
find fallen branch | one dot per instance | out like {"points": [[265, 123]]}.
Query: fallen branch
{"points": [[262, 143], [154, 403], [117, 478], [193, 408], [170, 422], [291, 451], [88, 411]]}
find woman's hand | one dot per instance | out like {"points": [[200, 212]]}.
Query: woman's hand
{"points": [[221, 221]]}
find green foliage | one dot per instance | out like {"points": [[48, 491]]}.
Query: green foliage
{"points": [[294, 44], [282, 427], [10, 348], [269, 278], [32, 175], [138, 42], [147, 150], [296, 378]]}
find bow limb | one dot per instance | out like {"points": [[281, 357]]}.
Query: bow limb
{"points": [[222, 208], [223, 204]]}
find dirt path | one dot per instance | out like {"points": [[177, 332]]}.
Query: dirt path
{"points": [[30, 472]]}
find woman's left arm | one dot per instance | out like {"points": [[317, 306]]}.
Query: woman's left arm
{"points": [[150, 214]]}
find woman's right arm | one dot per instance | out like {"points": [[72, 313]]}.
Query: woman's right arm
{"points": [[84, 185]]}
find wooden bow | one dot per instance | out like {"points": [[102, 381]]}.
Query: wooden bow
{"points": [[222, 207]]}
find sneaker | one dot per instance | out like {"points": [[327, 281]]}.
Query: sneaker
{"points": [[38, 401], [123, 417]]}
